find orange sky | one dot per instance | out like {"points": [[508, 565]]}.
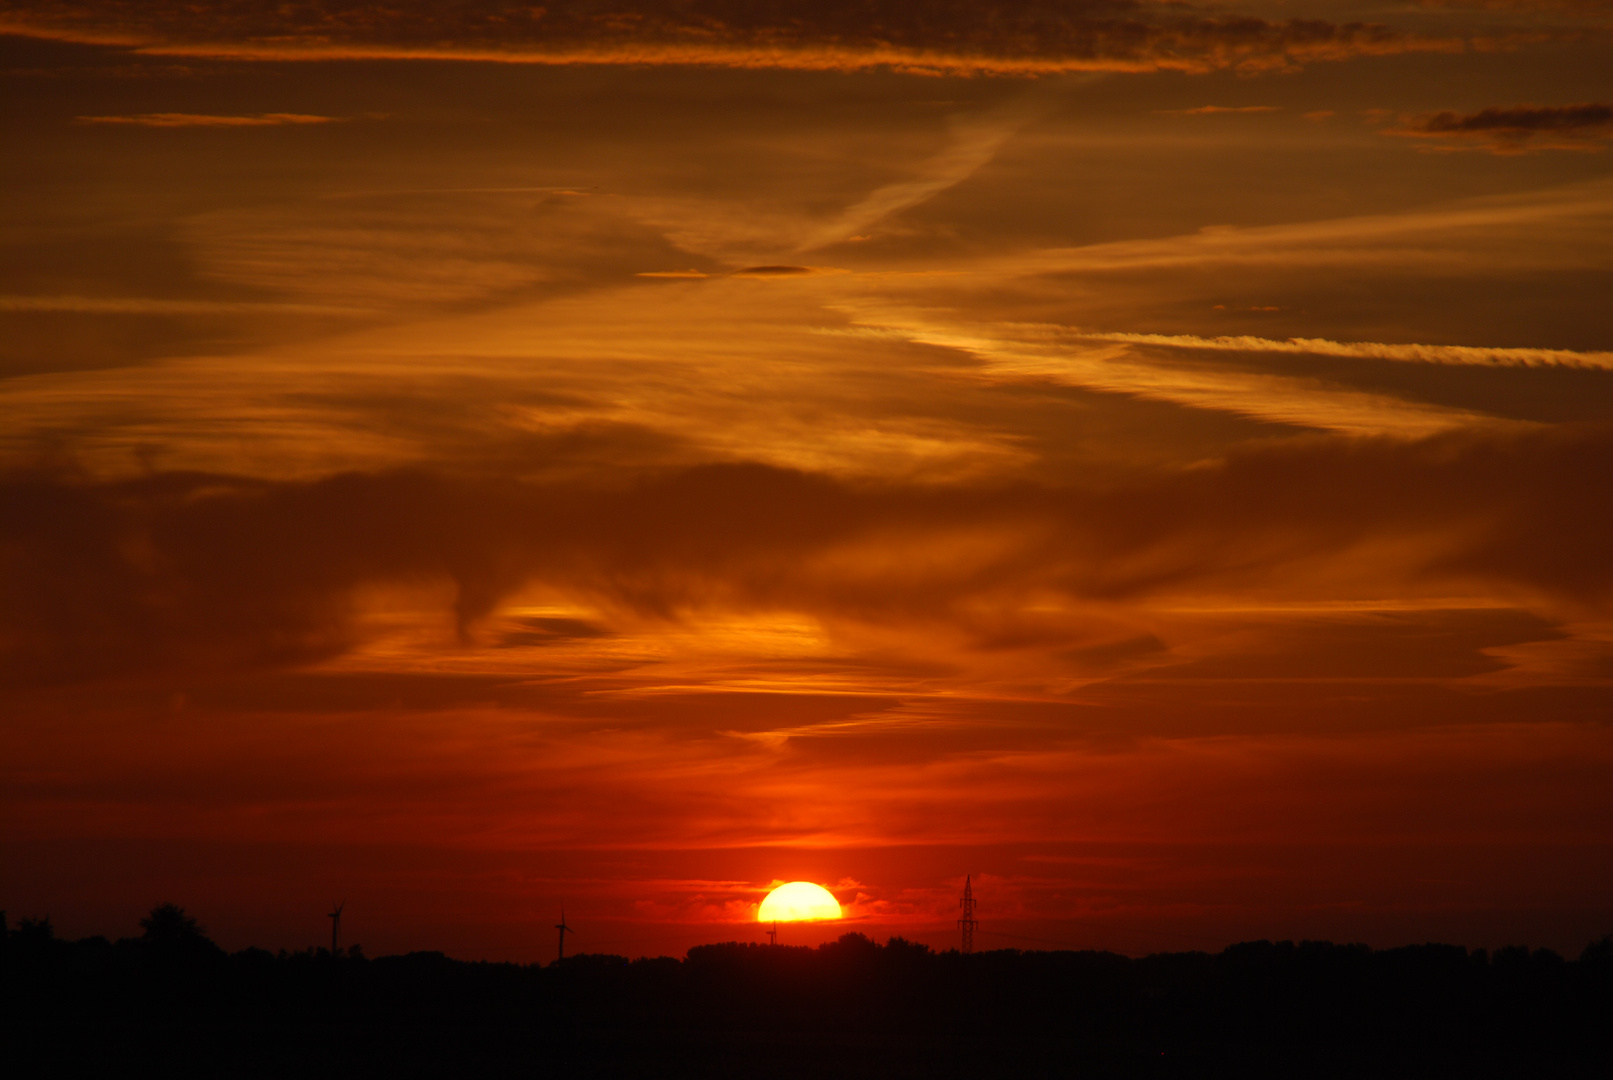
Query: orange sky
{"points": [[1154, 459]]}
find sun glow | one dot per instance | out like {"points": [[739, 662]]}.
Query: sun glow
{"points": [[797, 902]]}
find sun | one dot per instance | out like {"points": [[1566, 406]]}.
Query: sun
{"points": [[797, 902]]}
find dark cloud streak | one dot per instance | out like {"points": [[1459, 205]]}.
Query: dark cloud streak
{"points": [[1519, 128], [209, 120]]}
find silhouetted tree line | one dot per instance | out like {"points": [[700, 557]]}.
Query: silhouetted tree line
{"points": [[172, 1001]]}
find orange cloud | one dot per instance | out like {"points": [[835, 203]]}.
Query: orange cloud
{"points": [[1009, 37], [207, 573]]}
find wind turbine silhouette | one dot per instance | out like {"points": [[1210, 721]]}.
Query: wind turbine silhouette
{"points": [[335, 918], [564, 930]]}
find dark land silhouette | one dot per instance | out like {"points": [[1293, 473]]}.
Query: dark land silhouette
{"points": [[171, 1002]]}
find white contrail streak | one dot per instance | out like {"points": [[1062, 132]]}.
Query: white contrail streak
{"points": [[1464, 355]]}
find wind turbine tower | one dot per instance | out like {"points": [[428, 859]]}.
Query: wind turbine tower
{"points": [[564, 930], [968, 923], [335, 918]]}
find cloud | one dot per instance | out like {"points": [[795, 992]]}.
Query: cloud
{"points": [[425, 249], [1530, 229], [1586, 8], [1213, 110], [776, 270], [210, 574], [1516, 130], [1465, 355], [1040, 353], [751, 233], [141, 305], [974, 141], [952, 37], [179, 120]]}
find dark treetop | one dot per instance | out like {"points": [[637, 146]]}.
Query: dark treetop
{"points": [[173, 1002]]}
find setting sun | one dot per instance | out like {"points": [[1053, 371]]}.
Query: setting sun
{"points": [[798, 901]]}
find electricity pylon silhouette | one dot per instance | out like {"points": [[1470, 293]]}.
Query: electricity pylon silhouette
{"points": [[772, 935], [968, 923], [564, 930], [335, 918]]}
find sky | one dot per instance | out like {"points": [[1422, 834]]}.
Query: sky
{"points": [[472, 460]]}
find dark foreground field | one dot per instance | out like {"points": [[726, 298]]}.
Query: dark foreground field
{"points": [[171, 1003]]}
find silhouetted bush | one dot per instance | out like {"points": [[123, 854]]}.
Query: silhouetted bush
{"points": [[172, 1002]]}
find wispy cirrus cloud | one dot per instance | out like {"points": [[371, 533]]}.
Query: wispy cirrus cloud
{"points": [[975, 141], [1038, 353], [1519, 230], [210, 120]]}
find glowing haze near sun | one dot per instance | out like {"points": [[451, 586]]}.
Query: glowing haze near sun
{"points": [[798, 901], [476, 458]]}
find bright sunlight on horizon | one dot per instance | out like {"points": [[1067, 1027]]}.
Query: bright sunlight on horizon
{"points": [[798, 901]]}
